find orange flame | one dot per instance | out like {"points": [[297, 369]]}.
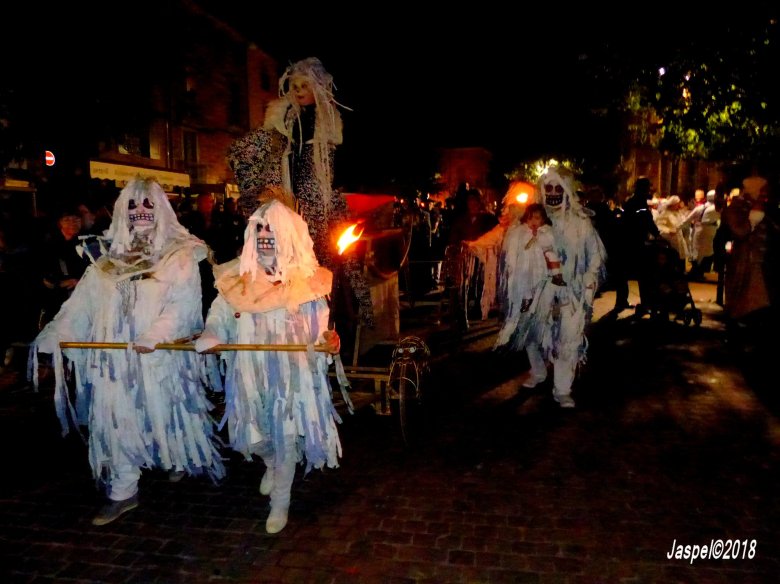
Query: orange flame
{"points": [[348, 237], [522, 198]]}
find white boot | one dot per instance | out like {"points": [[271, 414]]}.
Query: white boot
{"points": [[266, 452], [283, 476], [267, 482]]}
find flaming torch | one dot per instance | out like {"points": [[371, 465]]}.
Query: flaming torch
{"points": [[346, 239]]}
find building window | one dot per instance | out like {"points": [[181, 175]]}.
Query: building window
{"points": [[134, 143], [190, 147]]}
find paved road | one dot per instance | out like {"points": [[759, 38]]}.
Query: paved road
{"points": [[668, 443]]}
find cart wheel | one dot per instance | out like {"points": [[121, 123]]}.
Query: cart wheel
{"points": [[687, 318], [696, 317], [409, 367], [408, 407]]}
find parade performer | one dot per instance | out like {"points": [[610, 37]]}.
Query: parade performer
{"points": [[484, 252], [295, 149], [531, 280], [582, 258], [144, 408], [278, 404]]}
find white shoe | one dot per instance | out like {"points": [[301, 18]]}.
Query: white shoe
{"points": [[267, 482], [533, 381], [277, 519], [565, 401], [174, 476]]}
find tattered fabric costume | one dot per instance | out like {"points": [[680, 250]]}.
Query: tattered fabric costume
{"points": [[278, 403], [143, 410], [526, 275]]}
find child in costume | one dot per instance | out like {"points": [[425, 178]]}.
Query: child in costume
{"points": [[531, 279]]}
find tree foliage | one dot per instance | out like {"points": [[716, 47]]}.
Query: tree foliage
{"points": [[712, 97]]}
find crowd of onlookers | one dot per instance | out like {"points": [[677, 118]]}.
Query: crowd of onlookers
{"points": [[728, 235], [42, 258]]}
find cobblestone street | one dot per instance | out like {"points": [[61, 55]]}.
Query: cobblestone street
{"points": [[669, 443]]}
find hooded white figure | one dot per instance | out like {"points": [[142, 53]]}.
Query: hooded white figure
{"points": [[704, 220], [145, 408], [484, 252], [278, 404], [582, 256], [670, 223]]}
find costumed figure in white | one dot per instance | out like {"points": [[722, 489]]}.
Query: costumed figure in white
{"points": [[484, 252], [295, 149], [582, 257], [531, 282], [278, 404], [704, 220], [145, 408], [670, 223]]}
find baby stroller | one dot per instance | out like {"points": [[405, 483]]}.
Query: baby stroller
{"points": [[663, 287]]}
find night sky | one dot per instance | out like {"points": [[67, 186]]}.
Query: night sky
{"points": [[511, 77]]}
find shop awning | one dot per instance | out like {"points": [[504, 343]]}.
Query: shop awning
{"points": [[125, 173]]}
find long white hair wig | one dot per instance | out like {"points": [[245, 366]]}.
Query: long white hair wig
{"points": [[294, 246], [166, 225]]}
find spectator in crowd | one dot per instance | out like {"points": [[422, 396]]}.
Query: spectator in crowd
{"points": [[670, 220], [62, 263], [634, 229], [703, 220], [751, 272]]}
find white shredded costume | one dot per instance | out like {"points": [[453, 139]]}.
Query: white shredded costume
{"points": [[278, 403], [142, 410], [526, 275], [583, 258]]}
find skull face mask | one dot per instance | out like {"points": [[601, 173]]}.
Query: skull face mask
{"points": [[553, 193], [266, 248], [141, 214], [277, 242], [557, 189]]}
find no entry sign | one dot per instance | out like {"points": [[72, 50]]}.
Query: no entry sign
{"points": [[49, 158]]}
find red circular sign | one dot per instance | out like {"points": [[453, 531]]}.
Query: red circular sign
{"points": [[49, 158]]}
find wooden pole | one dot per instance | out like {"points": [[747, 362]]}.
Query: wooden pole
{"points": [[189, 347]]}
